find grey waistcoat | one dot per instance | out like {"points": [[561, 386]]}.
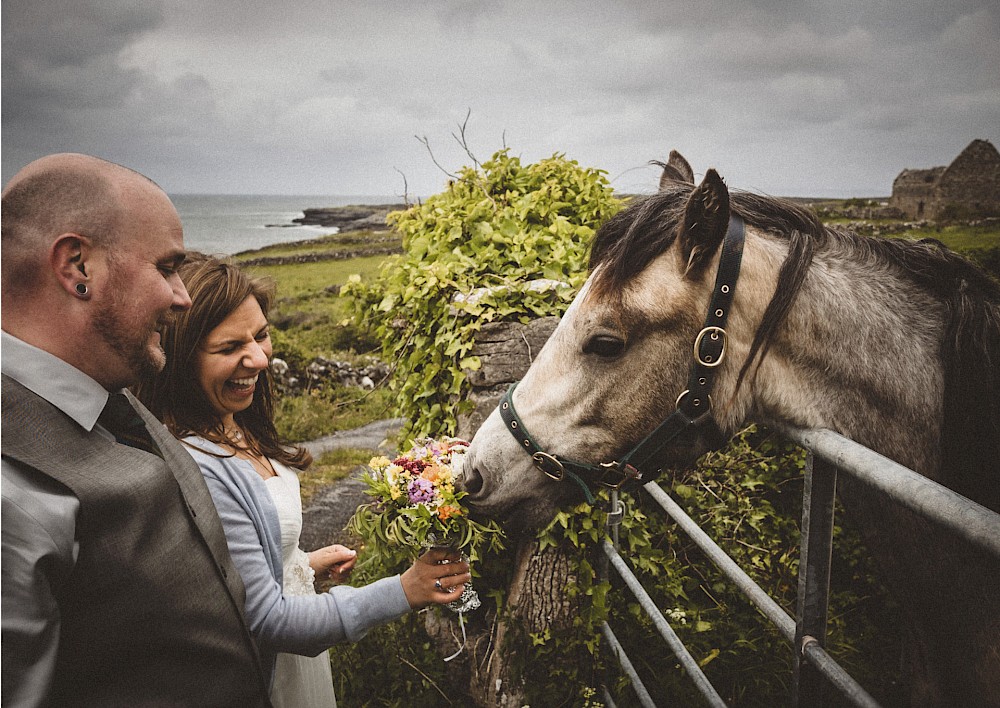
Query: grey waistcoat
{"points": [[152, 614]]}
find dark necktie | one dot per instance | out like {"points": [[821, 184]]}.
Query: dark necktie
{"points": [[121, 420]]}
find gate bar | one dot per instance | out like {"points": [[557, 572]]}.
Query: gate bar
{"points": [[836, 674], [771, 609], [815, 558], [666, 631], [619, 652], [962, 516], [815, 653]]}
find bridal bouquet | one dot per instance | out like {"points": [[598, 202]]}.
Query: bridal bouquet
{"points": [[416, 507]]}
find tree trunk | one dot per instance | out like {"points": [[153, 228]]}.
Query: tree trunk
{"points": [[496, 650]]}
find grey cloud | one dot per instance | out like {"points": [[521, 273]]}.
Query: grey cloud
{"points": [[50, 34], [321, 95]]}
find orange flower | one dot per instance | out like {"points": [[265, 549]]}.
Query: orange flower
{"points": [[431, 473], [446, 511]]}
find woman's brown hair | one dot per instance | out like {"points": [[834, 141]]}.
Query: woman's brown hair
{"points": [[217, 287]]}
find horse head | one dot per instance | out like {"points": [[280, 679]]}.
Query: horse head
{"points": [[620, 359]]}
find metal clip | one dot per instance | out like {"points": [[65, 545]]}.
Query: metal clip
{"points": [[626, 472], [616, 515]]}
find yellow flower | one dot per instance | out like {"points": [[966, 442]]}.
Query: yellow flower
{"points": [[392, 474], [379, 462]]}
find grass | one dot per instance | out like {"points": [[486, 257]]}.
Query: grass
{"points": [[312, 319], [961, 237], [306, 280], [322, 411], [349, 242], [328, 468]]}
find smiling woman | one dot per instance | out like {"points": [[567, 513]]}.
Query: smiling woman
{"points": [[216, 395], [229, 360]]}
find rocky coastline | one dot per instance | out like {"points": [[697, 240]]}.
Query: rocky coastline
{"points": [[355, 217], [361, 231]]}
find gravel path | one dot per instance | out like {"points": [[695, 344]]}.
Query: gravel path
{"points": [[324, 518]]}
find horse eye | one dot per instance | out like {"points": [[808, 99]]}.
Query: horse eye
{"points": [[604, 345]]}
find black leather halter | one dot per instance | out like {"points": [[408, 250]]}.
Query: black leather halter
{"points": [[692, 409]]}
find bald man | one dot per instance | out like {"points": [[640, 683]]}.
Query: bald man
{"points": [[118, 588]]}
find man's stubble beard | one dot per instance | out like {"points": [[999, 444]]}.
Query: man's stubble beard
{"points": [[142, 359]]}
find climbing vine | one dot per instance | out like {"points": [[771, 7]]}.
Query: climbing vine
{"points": [[504, 241], [748, 498]]}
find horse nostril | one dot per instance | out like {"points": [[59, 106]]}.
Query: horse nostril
{"points": [[472, 481]]}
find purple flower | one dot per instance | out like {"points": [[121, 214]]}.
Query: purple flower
{"points": [[420, 490]]}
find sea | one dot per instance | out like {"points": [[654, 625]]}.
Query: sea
{"points": [[230, 223]]}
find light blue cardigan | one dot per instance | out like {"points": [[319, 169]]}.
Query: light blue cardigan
{"points": [[306, 625]]}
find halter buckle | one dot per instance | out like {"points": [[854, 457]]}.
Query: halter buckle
{"points": [[550, 465], [713, 333]]}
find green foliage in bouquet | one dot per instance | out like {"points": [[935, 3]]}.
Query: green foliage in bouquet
{"points": [[503, 242], [416, 506]]}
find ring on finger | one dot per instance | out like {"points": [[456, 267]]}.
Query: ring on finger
{"points": [[437, 584]]}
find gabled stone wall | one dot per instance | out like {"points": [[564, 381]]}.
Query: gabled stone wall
{"points": [[968, 187]]}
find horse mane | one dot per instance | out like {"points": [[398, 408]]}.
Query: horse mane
{"points": [[970, 348]]}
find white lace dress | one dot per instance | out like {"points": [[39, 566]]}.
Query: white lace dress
{"points": [[299, 681]]}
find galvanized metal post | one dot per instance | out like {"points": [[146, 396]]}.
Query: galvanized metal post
{"points": [[816, 546]]}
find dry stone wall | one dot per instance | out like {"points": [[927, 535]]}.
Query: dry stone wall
{"points": [[505, 351]]}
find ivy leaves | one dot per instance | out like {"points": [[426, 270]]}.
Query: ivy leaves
{"points": [[495, 230]]}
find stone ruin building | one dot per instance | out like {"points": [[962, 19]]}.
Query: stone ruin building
{"points": [[967, 188]]}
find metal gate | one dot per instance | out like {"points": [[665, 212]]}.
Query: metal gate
{"points": [[830, 454]]}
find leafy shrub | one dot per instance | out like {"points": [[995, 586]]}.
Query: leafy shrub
{"points": [[498, 226], [748, 498]]}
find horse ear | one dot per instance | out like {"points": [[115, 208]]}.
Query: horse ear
{"points": [[706, 219], [676, 169]]}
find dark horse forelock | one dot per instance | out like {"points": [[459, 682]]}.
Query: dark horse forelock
{"points": [[970, 349]]}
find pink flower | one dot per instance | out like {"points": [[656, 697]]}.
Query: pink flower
{"points": [[413, 466]]}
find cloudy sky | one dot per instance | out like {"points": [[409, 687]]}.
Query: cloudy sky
{"points": [[784, 97]]}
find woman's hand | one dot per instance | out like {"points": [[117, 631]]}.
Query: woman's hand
{"points": [[438, 576], [335, 562]]}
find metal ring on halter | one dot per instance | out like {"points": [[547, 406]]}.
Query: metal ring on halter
{"points": [[625, 473], [686, 392], [715, 333]]}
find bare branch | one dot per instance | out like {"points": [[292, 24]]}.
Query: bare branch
{"points": [[427, 144], [463, 142], [406, 191]]}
